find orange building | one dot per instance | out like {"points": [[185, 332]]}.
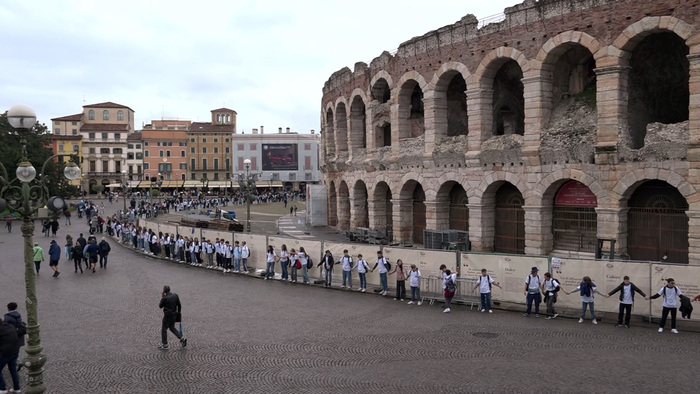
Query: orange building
{"points": [[165, 151]]}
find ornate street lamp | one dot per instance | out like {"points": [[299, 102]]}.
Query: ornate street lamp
{"points": [[125, 186], [25, 196], [247, 185]]}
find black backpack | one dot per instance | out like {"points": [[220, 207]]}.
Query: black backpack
{"points": [[450, 285], [21, 328], [309, 263]]}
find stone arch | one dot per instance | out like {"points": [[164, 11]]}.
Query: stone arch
{"points": [[358, 120], [341, 126], [381, 209], [628, 184], [329, 131], [360, 208], [382, 74], [544, 192], [343, 206], [449, 100], [332, 205], [411, 111], [557, 45], [494, 60], [636, 32], [413, 212], [483, 194], [451, 206], [379, 125]]}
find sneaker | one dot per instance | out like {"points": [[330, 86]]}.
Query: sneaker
{"points": [[627, 326], [594, 321], [618, 325], [526, 314], [360, 289], [673, 330], [183, 341], [483, 310], [401, 300], [490, 311], [364, 290], [580, 320], [548, 318], [447, 310], [342, 287], [163, 346], [555, 316], [396, 299], [661, 329], [3, 391], [537, 315], [409, 303], [419, 303]]}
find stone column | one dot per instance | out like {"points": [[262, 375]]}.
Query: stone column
{"points": [[693, 236], [694, 107], [356, 133], [481, 227], [435, 120], [358, 216], [480, 113], [343, 214], [437, 215], [612, 224], [403, 219], [612, 97], [538, 230], [377, 214], [538, 107], [397, 126]]}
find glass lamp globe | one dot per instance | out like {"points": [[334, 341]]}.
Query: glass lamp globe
{"points": [[72, 171], [21, 116], [246, 161], [26, 172]]}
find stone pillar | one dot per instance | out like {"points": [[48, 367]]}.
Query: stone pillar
{"points": [[538, 107], [538, 230], [343, 212], [435, 120], [402, 210], [480, 113], [612, 224], [398, 125], [693, 236], [481, 227], [358, 215], [694, 107], [341, 135], [356, 133], [377, 214], [612, 97], [437, 215]]}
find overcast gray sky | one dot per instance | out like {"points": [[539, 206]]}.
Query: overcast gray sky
{"points": [[268, 60]]}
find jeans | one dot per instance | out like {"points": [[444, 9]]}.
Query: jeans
{"points": [[37, 265], [536, 298], [382, 280], [11, 362], [363, 280], [294, 272], [550, 305], [664, 316], [168, 324], [448, 302], [285, 271], [591, 305], [305, 273], [147, 247], [347, 278], [270, 271], [210, 259], [415, 293], [236, 263], [486, 301], [78, 263], [624, 308], [69, 251], [245, 263], [329, 276], [401, 289], [103, 261]]}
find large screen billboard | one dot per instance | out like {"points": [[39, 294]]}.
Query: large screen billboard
{"points": [[279, 157]]}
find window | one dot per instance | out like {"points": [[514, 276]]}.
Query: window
{"points": [[253, 146], [204, 164], [130, 156], [216, 149], [139, 155], [160, 153], [192, 140], [228, 164], [204, 149], [105, 136], [182, 144], [226, 140], [183, 166], [60, 147], [60, 159], [93, 166], [117, 136], [117, 151], [120, 115], [75, 131], [227, 149], [182, 153], [239, 147], [57, 130], [167, 153], [307, 163], [292, 176], [138, 146], [192, 166], [145, 143], [118, 166], [105, 166], [307, 176], [130, 146], [92, 151], [216, 140], [91, 136], [307, 146], [75, 148], [146, 153], [104, 150], [216, 176], [74, 123], [91, 115], [192, 149], [204, 140], [158, 143], [105, 115], [192, 177], [241, 166], [254, 163], [165, 167], [216, 164], [57, 122], [146, 166]]}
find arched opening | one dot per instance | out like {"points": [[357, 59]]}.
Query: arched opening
{"points": [[343, 206], [658, 84], [657, 224], [456, 95], [411, 112], [341, 128], [574, 222], [330, 133], [509, 229], [358, 125], [381, 91], [413, 192], [383, 210], [458, 213], [383, 135], [332, 206], [573, 78], [508, 100], [361, 207]]}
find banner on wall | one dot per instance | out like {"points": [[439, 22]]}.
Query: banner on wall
{"points": [[212, 235], [427, 261]]}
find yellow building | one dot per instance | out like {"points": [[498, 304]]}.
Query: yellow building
{"points": [[209, 150]]}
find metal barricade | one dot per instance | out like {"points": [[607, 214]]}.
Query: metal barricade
{"points": [[466, 293], [431, 289]]}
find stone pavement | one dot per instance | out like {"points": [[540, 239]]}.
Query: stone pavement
{"points": [[246, 335]]}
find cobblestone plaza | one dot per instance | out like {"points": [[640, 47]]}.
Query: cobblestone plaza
{"points": [[100, 333]]}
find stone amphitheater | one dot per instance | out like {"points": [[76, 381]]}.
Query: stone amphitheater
{"points": [[565, 127]]}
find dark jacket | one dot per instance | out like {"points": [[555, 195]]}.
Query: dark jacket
{"points": [[92, 250], [686, 307], [622, 293], [170, 304], [329, 265], [9, 344], [15, 318], [81, 241], [104, 248], [54, 251]]}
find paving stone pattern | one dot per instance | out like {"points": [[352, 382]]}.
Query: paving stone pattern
{"points": [[247, 335]]}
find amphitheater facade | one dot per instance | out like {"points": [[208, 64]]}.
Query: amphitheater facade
{"points": [[568, 122]]}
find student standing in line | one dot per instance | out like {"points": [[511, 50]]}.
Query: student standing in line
{"points": [[328, 263], [670, 293], [346, 261], [450, 286], [245, 253], [236, 257], [400, 280], [550, 288], [271, 257], [484, 283], [627, 290], [532, 292], [414, 281], [284, 262], [381, 262], [294, 264], [587, 290], [362, 269], [304, 265]]}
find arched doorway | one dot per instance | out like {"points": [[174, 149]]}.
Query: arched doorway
{"points": [[459, 213], [574, 221], [341, 128], [657, 224], [361, 207], [413, 198], [383, 210], [358, 124], [411, 111], [343, 206], [509, 231]]}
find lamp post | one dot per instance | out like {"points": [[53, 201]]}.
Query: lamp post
{"points": [[247, 185], [26, 198], [124, 188]]}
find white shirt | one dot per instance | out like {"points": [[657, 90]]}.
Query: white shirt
{"points": [[271, 257], [484, 284], [245, 252], [550, 285], [670, 300], [382, 266], [446, 277], [534, 286], [414, 278], [590, 298], [362, 266], [626, 294], [284, 256], [347, 263]]}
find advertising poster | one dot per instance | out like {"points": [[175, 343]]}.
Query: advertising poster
{"points": [[279, 157]]}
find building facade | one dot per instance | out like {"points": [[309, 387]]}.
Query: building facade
{"points": [[134, 158], [282, 160], [165, 150], [569, 123], [209, 150]]}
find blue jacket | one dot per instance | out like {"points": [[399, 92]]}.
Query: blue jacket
{"points": [[54, 252]]}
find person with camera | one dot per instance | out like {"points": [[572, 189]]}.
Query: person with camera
{"points": [[172, 309]]}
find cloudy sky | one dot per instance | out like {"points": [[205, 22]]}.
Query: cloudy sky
{"points": [[268, 60]]}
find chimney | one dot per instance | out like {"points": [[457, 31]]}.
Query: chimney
{"points": [[262, 129], [279, 130], [313, 131], [287, 130], [255, 131]]}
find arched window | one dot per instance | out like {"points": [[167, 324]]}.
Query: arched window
{"points": [[91, 115], [105, 115], [120, 115]]}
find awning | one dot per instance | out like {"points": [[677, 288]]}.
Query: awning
{"points": [[144, 184], [172, 184], [114, 185], [192, 184], [268, 184], [219, 184]]}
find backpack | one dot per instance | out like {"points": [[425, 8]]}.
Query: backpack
{"points": [[309, 263], [558, 286], [488, 280], [387, 264], [21, 328], [674, 288], [450, 286]]}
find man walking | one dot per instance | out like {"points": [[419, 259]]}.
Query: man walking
{"points": [[170, 304], [38, 254], [54, 256], [103, 250]]}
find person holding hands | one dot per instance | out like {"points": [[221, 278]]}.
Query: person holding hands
{"points": [[670, 293], [627, 290], [484, 283], [587, 289]]}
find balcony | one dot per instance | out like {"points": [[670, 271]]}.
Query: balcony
{"points": [[98, 174]]}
